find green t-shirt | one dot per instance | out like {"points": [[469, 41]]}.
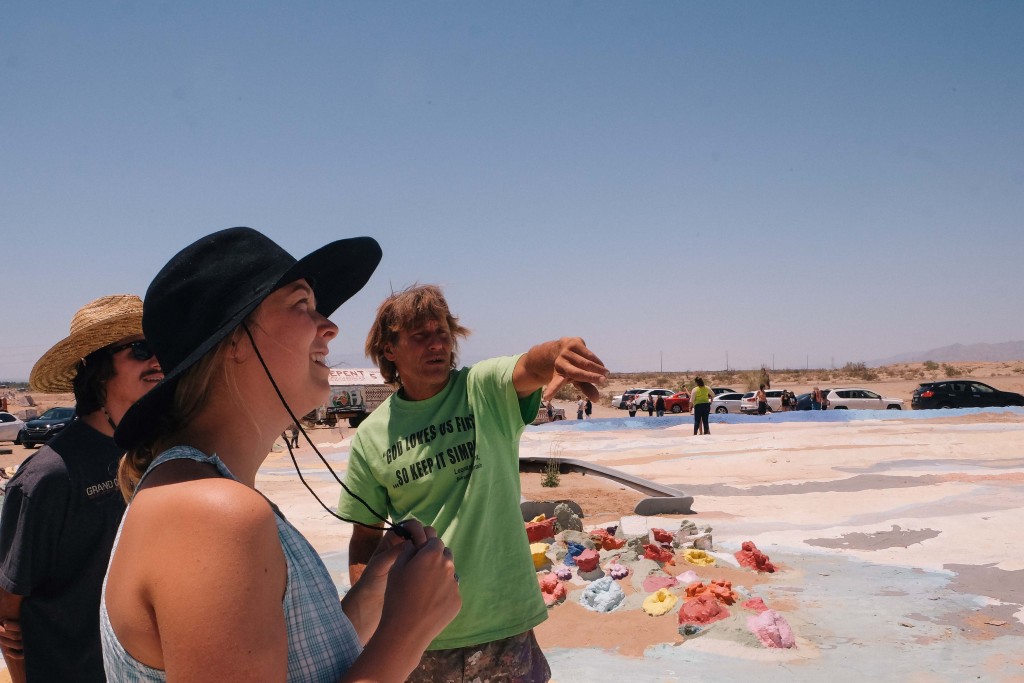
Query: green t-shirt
{"points": [[452, 462]]}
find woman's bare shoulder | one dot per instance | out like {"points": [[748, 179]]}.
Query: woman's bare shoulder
{"points": [[191, 493]]}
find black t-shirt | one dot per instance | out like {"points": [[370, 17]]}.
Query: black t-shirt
{"points": [[60, 515]]}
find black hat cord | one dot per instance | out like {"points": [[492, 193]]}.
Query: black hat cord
{"points": [[397, 528]]}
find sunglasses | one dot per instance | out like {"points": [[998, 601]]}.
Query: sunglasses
{"points": [[140, 349]]}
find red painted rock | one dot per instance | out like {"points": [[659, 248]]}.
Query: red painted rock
{"points": [[752, 558], [538, 531], [587, 560], [703, 609], [658, 554], [551, 589], [653, 584], [754, 604]]}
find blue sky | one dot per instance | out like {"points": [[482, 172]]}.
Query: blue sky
{"points": [[673, 181]]}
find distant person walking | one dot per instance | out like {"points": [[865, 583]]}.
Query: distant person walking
{"points": [[766, 380], [659, 406], [579, 407], [787, 403], [700, 399], [650, 405], [762, 401], [588, 409], [631, 406], [551, 412]]}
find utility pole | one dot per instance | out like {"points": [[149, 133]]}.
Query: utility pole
{"points": [[727, 361], [661, 361]]}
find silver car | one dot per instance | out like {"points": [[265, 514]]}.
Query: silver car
{"points": [[727, 402], [864, 399], [10, 425]]}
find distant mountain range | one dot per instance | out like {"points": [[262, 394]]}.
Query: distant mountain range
{"points": [[1004, 351]]}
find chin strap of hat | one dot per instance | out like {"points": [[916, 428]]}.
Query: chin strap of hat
{"points": [[397, 528]]}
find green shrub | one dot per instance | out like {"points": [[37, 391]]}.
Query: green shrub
{"points": [[859, 371], [952, 370], [930, 365]]}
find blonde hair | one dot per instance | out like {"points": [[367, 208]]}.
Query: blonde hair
{"points": [[191, 395], [406, 310]]}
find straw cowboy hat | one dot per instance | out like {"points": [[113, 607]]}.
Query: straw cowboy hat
{"points": [[208, 288], [96, 325]]}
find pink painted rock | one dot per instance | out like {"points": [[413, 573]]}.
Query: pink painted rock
{"points": [[538, 531], [587, 560], [617, 571], [703, 609], [771, 629], [754, 605], [658, 554], [752, 558], [552, 590], [654, 583]]}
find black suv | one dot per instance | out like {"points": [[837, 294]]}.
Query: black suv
{"points": [[41, 429], [959, 393]]}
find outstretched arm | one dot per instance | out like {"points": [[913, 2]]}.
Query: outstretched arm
{"points": [[556, 362]]}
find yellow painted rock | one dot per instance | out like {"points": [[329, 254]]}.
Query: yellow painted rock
{"points": [[698, 557], [539, 550], [659, 603], [539, 518]]}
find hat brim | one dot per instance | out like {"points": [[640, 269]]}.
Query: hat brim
{"points": [[55, 371], [335, 271]]}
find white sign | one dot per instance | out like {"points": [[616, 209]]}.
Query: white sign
{"points": [[344, 377]]}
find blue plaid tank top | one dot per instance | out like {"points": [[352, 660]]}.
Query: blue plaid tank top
{"points": [[322, 643]]}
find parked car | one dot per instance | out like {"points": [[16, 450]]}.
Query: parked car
{"points": [[10, 427], [39, 430], [749, 404], [727, 402], [962, 394], [678, 402], [722, 390], [620, 400], [863, 399], [542, 414], [650, 394], [803, 401]]}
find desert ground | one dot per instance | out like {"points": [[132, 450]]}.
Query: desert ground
{"points": [[896, 537]]}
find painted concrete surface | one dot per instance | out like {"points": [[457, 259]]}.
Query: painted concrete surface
{"points": [[899, 540]]}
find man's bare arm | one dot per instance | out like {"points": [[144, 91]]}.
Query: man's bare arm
{"points": [[10, 635], [557, 362], [361, 547]]}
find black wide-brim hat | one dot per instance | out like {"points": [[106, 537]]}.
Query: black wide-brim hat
{"points": [[208, 288]]}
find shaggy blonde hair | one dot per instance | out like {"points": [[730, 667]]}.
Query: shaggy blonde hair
{"points": [[407, 310]]}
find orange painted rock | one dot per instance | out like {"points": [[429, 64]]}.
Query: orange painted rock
{"points": [[540, 529], [719, 589], [661, 536], [605, 540], [752, 558]]}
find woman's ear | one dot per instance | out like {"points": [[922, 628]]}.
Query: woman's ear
{"points": [[240, 347], [388, 352]]}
